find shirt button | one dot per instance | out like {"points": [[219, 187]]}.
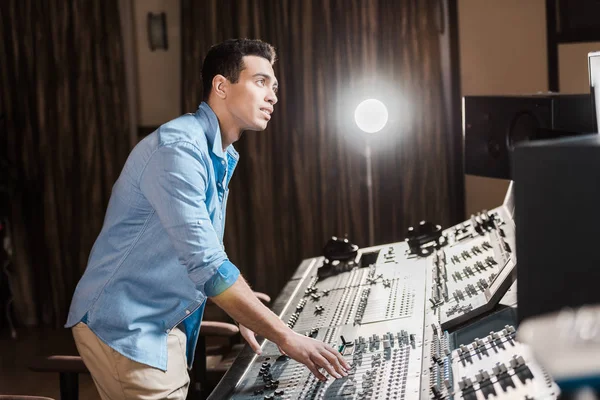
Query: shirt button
{"points": [[168, 330], [223, 162], [187, 311]]}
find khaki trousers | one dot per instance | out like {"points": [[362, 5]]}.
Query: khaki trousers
{"points": [[119, 378]]}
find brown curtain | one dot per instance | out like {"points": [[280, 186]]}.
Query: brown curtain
{"points": [[303, 179], [63, 92]]}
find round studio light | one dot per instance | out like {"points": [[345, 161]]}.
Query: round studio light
{"points": [[371, 115]]}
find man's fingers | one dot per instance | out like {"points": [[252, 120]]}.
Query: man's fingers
{"points": [[322, 362], [335, 362], [251, 339], [339, 357], [315, 370], [254, 344]]}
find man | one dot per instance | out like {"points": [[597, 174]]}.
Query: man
{"points": [[137, 310]]}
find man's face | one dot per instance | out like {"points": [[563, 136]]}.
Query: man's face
{"points": [[252, 98]]}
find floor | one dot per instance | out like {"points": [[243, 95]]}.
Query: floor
{"points": [[16, 354]]}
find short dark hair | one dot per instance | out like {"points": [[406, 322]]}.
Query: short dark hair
{"points": [[226, 59]]}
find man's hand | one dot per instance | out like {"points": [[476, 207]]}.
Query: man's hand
{"points": [[242, 305], [315, 355], [250, 337]]}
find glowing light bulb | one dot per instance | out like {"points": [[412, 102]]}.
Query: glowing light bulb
{"points": [[371, 115]]}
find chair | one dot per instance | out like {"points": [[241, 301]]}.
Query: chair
{"points": [[68, 368]]}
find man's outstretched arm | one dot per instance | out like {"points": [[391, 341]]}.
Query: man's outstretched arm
{"points": [[242, 305]]}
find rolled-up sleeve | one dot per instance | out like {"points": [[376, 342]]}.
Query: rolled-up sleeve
{"points": [[174, 181], [226, 276]]}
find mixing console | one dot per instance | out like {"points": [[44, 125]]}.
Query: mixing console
{"points": [[387, 310]]}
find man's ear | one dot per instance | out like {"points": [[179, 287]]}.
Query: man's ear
{"points": [[220, 86]]}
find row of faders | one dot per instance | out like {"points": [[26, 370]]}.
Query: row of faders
{"points": [[497, 366], [440, 374]]}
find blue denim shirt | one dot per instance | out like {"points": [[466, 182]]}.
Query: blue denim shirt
{"points": [[160, 252]]}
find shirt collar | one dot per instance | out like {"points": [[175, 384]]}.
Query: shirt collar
{"points": [[212, 131]]}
